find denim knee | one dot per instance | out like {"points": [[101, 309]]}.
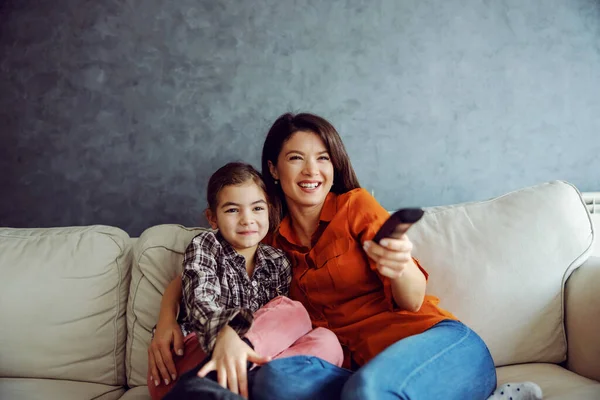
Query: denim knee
{"points": [[300, 378], [362, 385], [283, 378]]}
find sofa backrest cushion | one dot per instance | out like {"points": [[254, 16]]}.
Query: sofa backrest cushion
{"points": [[63, 297], [157, 259], [501, 265]]}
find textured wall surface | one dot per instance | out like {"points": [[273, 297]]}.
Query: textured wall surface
{"points": [[116, 112]]}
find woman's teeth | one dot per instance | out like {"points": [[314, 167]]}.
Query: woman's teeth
{"points": [[309, 185]]}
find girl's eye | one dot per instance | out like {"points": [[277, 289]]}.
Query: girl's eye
{"points": [[295, 158], [231, 210], [326, 158], [259, 208]]}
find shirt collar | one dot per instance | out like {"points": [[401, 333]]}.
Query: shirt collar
{"points": [[260, 256], [327, 213], [228, 250], [329, 208]]}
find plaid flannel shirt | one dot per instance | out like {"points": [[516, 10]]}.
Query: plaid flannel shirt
{"points": [[218, 291]]}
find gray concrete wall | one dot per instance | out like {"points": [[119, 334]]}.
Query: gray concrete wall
{"points": [[116, 112]]}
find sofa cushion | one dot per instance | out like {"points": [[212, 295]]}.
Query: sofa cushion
{"points": [[43, 389], [501, 265], [582, 319], [63, 297], [137, 393], [596, 223], [556, 382], [157, 259]]}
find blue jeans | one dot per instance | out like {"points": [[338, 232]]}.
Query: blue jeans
{"points": [[448, 361]]}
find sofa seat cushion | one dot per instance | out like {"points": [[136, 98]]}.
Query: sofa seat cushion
{"points": [[556, 382], [137, 393], [63, 297], [157, 259], [501, 265], [43, 389]]}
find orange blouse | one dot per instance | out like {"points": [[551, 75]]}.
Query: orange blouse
{"points": [[340, 286]]}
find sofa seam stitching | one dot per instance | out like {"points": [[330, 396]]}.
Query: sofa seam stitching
{"points": [[110, 391], [116, 318], [128, 361]]}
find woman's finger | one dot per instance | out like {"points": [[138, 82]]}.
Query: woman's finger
{"points": [[152, 368], [209, 366], [178, 342], [377, 253], [390, 272], [167, 357], [371, 249], [164, 372], [393, 265], [402, 245], [395, 259]]}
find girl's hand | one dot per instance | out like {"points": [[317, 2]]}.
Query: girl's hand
{"points": [[160, 357], [230, 357], [392, 255]]}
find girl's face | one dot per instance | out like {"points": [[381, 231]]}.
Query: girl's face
{"points": [[242, 215], [304, 170]]}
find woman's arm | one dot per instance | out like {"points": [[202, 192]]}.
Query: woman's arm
{"points": [[394, 261], [409, 289], [167, 334], [169, 304], [403, 280]]}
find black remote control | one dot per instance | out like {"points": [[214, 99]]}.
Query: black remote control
{"points": [[402, 216]]}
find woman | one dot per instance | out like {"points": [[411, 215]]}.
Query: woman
{"points": [[397, 340]]}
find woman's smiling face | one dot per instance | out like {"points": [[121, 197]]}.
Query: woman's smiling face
{"points": [[304, 170]]}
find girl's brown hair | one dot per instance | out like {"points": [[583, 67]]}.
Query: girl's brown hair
{"points": [[233, 174], [344, 177]]}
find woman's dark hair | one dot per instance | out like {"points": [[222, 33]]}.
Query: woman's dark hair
{"points": [[344, 177], [233, 174]]}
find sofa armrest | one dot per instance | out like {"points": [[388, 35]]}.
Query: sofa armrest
{"points": [[582, 318]]}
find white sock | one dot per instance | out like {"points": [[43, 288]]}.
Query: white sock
{"points": [[517, 391]]}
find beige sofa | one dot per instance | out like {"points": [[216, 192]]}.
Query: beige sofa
{"points": [[77, 304]]}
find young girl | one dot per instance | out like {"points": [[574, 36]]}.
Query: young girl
{"points": [[228, 276]]}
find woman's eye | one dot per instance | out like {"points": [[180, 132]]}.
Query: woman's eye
{"points": [[295, 158], [326, 158]]}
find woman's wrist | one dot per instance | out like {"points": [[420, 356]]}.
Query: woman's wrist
{"points": [[166, 317], [168, 310], [408, 271]]}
